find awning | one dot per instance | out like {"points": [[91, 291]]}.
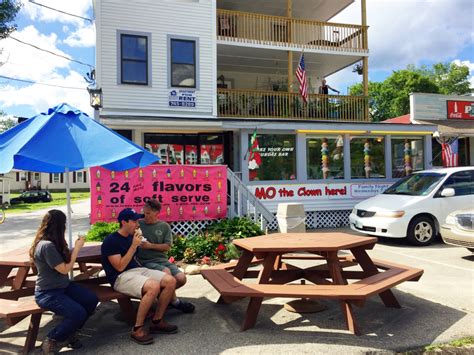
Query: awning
{"points": [[453, 128]]}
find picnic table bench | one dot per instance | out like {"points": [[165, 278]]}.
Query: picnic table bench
{"points": [[17, 303], [329, 280]]}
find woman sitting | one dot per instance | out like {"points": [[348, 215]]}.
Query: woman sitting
{"points": [[54, 291]]}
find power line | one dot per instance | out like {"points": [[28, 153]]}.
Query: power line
{"points": [[63, 12], [34, 82], [56, 54]]}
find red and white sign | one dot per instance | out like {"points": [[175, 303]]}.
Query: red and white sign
{"points": [[301, 192], [186, 192], [461, 110]]}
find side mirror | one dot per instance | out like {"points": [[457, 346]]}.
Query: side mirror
{"points": [[448, 192]]}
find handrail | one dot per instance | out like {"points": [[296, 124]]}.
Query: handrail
{"points": [[244, 203], [274, 104], [237, 26]]}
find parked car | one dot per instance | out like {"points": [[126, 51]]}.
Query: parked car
{"points": [[32, 197], [415, 206], [459, 228]]}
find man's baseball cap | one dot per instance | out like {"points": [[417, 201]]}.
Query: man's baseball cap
{"points": [[128, 214]]}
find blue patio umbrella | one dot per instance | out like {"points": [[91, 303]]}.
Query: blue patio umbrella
{"points": [[66, 139]]}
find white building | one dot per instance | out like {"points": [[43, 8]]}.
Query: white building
{"points": [[189, 78]]}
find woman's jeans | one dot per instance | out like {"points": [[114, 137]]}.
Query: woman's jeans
{"points": [[75, 303]]}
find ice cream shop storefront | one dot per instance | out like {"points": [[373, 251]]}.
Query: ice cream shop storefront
{"points": [[328, 167]]}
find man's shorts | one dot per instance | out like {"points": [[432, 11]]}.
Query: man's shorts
{"points": [[131, 282], [163, 265]]}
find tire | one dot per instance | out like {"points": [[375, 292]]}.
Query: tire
{"points": [[421, 231]]}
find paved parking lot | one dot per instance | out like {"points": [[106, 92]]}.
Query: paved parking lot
{"points": [[438, 308]]}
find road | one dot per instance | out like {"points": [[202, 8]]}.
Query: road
{"points": [[18, 230]]}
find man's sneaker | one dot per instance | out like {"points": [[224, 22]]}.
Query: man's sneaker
{"points": [[73, 342], [50, 347], [163, 328], [141, 336], [184, 306]]}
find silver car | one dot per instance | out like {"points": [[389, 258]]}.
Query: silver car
{"points": [[459, 229]]}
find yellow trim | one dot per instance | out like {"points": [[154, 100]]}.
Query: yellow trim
{"points": [[401, 132], [329, 131], [361, 132]]}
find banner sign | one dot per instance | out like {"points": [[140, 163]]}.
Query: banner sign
{"points": [[461, 110], [313, 192], [182, 98], [186, 192]]}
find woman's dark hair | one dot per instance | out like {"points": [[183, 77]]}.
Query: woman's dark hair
{"points": [[52, 228]]}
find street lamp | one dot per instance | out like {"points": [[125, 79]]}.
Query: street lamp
{"points": [[95, 97]]}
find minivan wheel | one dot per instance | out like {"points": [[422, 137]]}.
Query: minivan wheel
{"points": [[421, 231]]}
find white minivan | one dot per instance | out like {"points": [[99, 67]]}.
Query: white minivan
{"points": [[415, 206]]}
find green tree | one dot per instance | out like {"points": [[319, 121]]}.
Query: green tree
{"points": [[391, 97], [8, 11], [5, 122]]}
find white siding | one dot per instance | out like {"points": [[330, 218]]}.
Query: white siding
{"points": [[160, 19]]}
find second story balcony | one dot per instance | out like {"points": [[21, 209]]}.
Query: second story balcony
{"points": [[290, 33], [284, 105]]}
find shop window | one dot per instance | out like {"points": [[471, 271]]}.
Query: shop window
{"points": [[272, 157], [211, 149], [367, 157], [325, 158], [173, 148], [407, 155]]}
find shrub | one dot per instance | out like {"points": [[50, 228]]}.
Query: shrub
{"points": [[100, 230], [234, 228]]}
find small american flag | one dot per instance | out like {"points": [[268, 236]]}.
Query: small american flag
{"points": [[450, 154], [301, 76]]}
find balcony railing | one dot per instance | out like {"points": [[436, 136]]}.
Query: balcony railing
{"points": [[248, 103], [282, 31]]}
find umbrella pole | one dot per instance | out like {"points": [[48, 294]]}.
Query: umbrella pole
{"points": [[69, 224]]}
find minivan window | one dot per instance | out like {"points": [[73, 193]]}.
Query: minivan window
{"points": [[415, 185]]}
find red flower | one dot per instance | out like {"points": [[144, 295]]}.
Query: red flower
{"points": [[220, 250], [206, 260], [171, 259]]}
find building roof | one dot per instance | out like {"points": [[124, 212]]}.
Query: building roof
{"points": [[405, 119]]}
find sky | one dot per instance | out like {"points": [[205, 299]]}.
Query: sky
{"points": [[402, 32]]}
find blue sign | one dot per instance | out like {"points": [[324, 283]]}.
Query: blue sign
{"points": [[182, 98]]}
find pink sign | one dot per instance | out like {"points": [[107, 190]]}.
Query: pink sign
{"points": [[186, 192]]}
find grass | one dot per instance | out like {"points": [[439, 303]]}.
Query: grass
{"points": [[59, 199], [458, 346]]}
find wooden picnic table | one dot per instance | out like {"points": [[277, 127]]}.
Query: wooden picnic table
{"points": [[328, 279], [19, 261]]}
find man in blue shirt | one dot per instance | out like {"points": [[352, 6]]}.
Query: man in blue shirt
{"points": [[127, 276]]}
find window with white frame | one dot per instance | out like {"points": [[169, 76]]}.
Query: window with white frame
{"points": [[56, 178], [80, 176]]}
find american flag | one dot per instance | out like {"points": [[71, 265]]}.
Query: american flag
{"points": [[301, 76], [450, 154]]}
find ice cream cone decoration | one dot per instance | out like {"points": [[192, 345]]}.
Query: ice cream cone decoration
{"points": [[114, 212], [168, 173], [218, 197], [153, 173], [219, 184], [194, 209], [407, 158], [99, 200], [206, 210], [367, 159], [97, 174], [181, 211], [218, 209], [126, 174], [206, 173], [181, 173], [168, 211], [112, 174], [194, 173], [140, 174], [325, 158], [99, 214], [97, 186]]}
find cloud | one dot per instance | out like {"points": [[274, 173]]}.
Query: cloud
{"points": [[26, 62], [82, 37], [40, 13], [406, 32]]}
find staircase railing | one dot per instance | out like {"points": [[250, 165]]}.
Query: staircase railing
{"points": [[244, 203]]}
